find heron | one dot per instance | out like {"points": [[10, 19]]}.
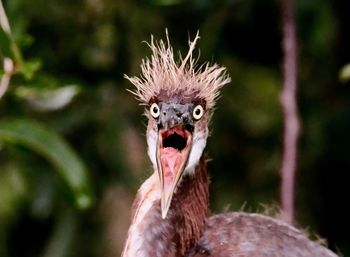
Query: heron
{"points": [[170, 214]]}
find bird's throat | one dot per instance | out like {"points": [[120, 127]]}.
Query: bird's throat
{"points": [[184, 221]]}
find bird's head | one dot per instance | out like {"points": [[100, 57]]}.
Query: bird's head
{"points": [[179, 99]]}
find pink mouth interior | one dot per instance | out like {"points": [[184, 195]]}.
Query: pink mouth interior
{"points": [[170, 158], [172, 152]]}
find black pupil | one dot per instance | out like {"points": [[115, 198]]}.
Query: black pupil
{"points": [[198, 111], [155, 110]]}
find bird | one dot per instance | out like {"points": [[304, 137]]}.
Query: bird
{"points": [[170, 213]]}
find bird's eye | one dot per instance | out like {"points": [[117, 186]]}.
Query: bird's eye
{"points": [[155, 111], [198, 112]]}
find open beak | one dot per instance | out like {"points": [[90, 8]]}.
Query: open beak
{"points": [[173, 149]]}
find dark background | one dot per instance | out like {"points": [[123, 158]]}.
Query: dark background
{"points": [[90, 44]]}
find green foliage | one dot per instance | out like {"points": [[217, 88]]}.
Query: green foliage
{"points": [[17, 188], [54, 148], [13, 188], [165, 2], [9, 48], [5, 44], [29, 68]]}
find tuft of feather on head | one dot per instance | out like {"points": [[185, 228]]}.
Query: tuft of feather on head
{"points": [[162, 73]]}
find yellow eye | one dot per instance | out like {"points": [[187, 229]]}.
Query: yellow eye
{"points": [[198, 112], [155, 111]]}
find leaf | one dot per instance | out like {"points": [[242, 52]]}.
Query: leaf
{"points": [[29, 67], [12, 189], [5, 44], [8, 48], [47, 99], [344, 74], [49, 144]]}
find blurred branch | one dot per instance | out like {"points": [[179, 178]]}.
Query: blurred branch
{"points": [[13, 62], [3, 19], [8, 63], [289, 106], [6, 77]]}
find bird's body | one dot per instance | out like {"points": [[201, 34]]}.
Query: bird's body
{"points": [[187, 231], [170, 212], [241, 234]]}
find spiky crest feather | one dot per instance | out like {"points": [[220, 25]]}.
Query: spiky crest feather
{"points": [[162, 73]]}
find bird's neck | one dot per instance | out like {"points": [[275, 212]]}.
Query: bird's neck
{"points": [[150, 235]]}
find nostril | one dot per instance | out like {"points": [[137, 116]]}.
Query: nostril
{"points": [[189, 127]]}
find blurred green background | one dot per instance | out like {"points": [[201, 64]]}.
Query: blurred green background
{"points": [[72, 139]]}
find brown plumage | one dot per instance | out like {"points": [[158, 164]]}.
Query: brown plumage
{"points": [[169, 217], [251, 235]]}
